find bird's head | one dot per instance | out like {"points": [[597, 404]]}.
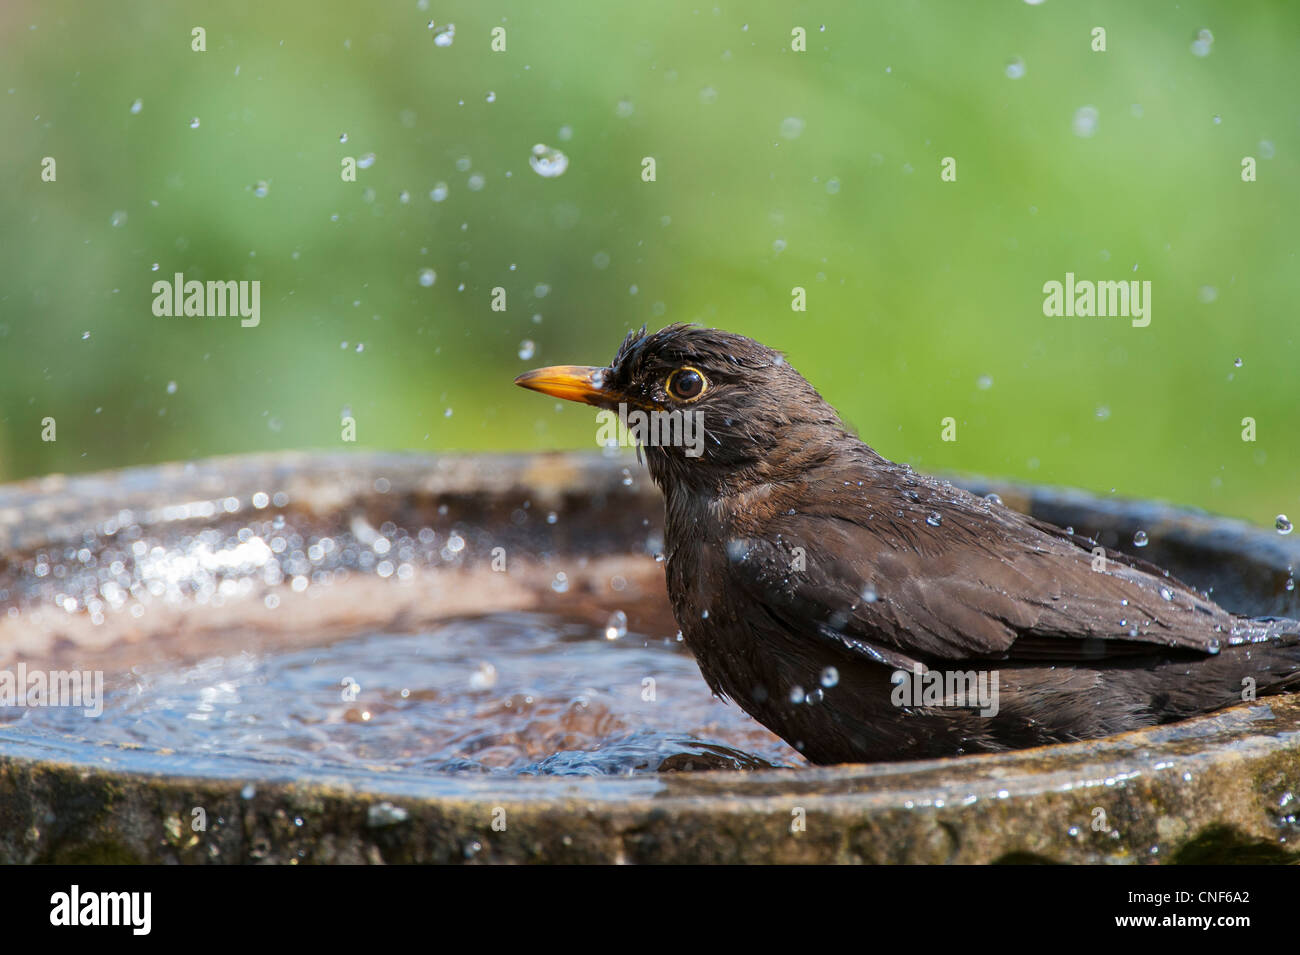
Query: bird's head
{"points": [[710, 408]]}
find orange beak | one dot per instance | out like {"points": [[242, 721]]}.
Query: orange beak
{"points": [[570, 382]]}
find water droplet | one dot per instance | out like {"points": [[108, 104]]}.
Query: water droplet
{"points": [[708, 95], [778, 245], [404, 197], [830, 677], [993, 498], [194, 123], [261, 189], [154, 267], [484, 677], [171, 387], [1207, 294], [527, 348], [1201, 45], [934, 520], [438, 192], [616, 626], [428, 277], [869, 594], [118, 219], [565, 133], [136, 106], [624, 109], [1085, 121], [1166, 593], [443, 36], [85, 336], [1283, 524], [796, 695], [832, 186], [792, 127], [1140, 539], [547, 162], [491, 97], [1237, 363], [366, 161], [343, 137], [1015, 68], [475, 182], [561, 582], [1102, 412]]}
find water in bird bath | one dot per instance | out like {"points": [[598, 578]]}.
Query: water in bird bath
{"points": [[394, 621], [513, 693]]}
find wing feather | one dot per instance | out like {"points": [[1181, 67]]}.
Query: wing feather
{"points": [[907, 567]]}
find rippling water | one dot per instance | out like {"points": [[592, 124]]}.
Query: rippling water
{"points": [[508, 693]]}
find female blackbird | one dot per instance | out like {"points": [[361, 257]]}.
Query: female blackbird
{"points": [[866, 612]]}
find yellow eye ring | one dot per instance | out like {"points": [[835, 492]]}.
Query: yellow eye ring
{"points": [[686, 384]]}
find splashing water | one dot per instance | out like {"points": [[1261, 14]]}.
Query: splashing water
{"points": [[1085, 121], [616, 627], [502, 694], [547, 162], [443, 36]]}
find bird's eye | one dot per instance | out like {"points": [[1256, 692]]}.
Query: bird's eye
{"points": [[686, 384]]}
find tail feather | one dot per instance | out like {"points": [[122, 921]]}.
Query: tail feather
{"points": [[1272, 645]]}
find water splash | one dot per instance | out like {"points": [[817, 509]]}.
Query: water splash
{"points": [[547, 162]]}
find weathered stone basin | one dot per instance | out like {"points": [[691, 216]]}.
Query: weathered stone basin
{"points": [[1220, 788]]}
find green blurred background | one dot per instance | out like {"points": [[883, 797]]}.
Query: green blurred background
{"points": [[775, 169]]}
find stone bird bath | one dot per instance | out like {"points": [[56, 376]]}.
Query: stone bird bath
{"points": [[115, 572]]}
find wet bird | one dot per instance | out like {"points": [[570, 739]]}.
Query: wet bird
{"points": [[866, 612]]}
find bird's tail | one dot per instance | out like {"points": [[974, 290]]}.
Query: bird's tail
{"points": [[1273, 646]]}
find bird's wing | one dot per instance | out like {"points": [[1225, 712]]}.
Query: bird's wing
{"points": [[904, 567]]}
